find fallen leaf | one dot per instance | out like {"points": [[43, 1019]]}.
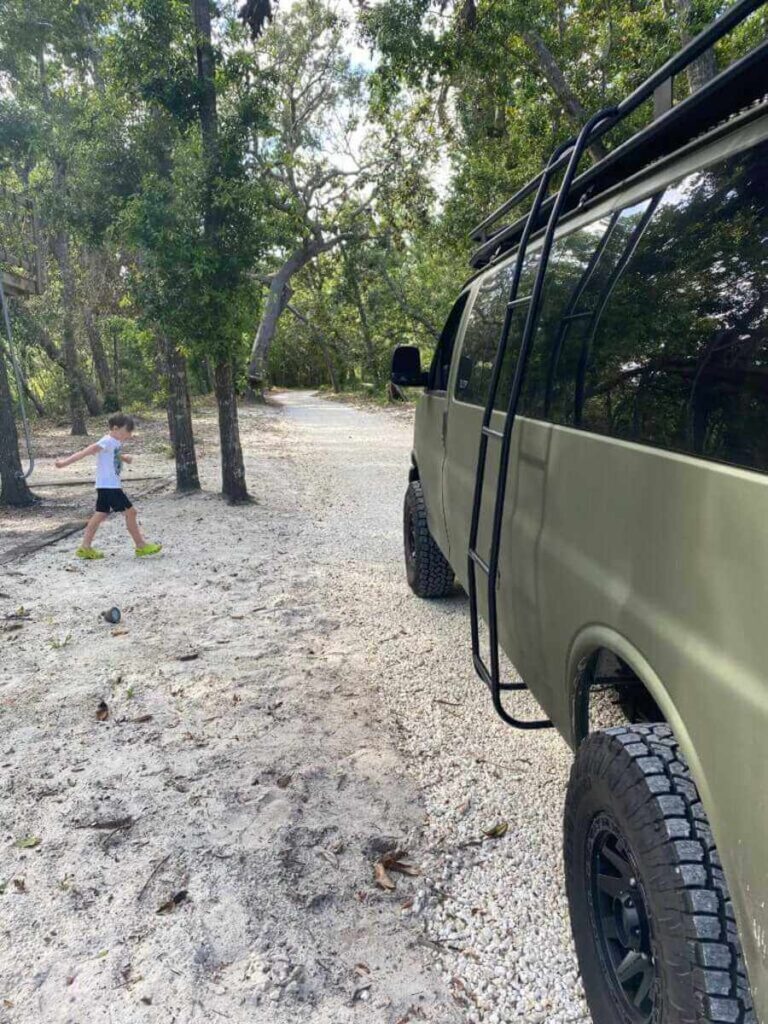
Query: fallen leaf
{"points": [[27, 842], [120, 631], [20, 884], [140, 720], [189, 656], [362, 968], [381, 878], [102, 711], [463, 807], [283, 781], [173, 902], [392, 862], [496, 831]]}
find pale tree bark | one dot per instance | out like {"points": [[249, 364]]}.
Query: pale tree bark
{"points": [[278, 297], [61, 252], [232, 467], [180, 419], [557, 82], [13, 486]]}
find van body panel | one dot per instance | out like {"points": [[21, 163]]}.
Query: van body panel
{"points": [[603, 540], [659, 556]]}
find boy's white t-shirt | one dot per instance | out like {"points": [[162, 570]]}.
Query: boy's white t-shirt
{"points": [[108, 462]]}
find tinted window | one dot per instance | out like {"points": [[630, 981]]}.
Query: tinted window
{"points": [[483, 334], [441, 363], [678, 356]]}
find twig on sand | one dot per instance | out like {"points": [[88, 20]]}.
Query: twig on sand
{"points": [[112, 825], [155, 869]]}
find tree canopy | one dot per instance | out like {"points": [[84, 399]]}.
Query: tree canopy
{"points": [[239, 195]]}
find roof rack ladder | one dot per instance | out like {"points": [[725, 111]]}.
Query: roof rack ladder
{"points": [[491, 674]]}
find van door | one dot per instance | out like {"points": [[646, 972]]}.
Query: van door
{"points": [[468, 394], [429, 432]]}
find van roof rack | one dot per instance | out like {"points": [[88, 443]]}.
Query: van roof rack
{"points": [[735, 88]]}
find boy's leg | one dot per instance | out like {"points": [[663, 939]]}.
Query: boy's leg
{"points": [[132, 525], [92, 526]]}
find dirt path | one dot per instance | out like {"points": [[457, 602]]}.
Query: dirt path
{"points": [[280, 712]]}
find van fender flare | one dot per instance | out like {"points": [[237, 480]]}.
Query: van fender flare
{"points": [[588, 642]]}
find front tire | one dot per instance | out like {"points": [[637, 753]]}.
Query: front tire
{"points": [[429, 574], [652, 919]]}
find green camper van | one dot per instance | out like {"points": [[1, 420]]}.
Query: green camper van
{"points": [[590, 463]]}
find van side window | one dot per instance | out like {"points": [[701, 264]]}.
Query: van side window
{"points": [[483, 334], [579, 274], [441, 362], [679, 356]]}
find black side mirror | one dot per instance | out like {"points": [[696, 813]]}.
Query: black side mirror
{"points": [[406, 367]]}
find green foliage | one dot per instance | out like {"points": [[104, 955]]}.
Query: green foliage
{"points": [[384, 169]]}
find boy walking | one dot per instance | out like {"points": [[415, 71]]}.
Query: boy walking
{"points": [[110, 496]]}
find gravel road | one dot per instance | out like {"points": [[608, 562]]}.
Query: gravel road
{"points": [[281, 711]]}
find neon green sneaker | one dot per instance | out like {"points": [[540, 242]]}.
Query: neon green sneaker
{"points": [[148, 549], [90, 553]]}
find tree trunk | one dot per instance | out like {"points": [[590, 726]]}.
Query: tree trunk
{"points": [[277, 300], [60, 247], [54, 353], [180, 420], [39, 407], [323, 345], [560, 87], [232, 469], [13, 486], [704, 68], [100, 361], [370, 350]]}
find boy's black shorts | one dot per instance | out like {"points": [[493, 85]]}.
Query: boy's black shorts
{"points": [[112, 499]]}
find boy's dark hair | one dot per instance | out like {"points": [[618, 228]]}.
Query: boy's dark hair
{"points": [[121, 419]]}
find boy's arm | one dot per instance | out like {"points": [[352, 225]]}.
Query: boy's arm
{"points": [[90, 450], [126, 458]]}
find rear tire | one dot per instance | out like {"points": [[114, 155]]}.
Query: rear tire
{"points": [[429, 574], [651, 915]]}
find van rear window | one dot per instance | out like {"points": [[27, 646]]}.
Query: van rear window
{"points": [[654, 322]]}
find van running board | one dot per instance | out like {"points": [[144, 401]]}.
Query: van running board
{"points": [[568, 156]]}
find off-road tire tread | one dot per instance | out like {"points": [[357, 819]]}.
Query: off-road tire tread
{"points": [[433, 576], [646, 758]]}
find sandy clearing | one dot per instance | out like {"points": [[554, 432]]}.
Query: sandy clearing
{"points": [[306, 735]]}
